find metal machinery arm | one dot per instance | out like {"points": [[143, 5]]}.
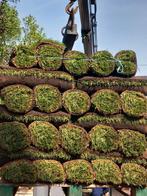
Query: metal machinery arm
{"points": [[87, 9]]}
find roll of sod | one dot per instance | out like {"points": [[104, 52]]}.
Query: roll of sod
{"points": [[32, 153], [14, 136], [134, 103], [104, 138], [125, 68], [103, 63], [127, 55], [76, 63], [50, 55], [48, 98], [132, 143], [24, 57], [134, 174], [127, 63], [17, 172], [18, 98], [106, 102], [44, 135], [79, 172], [107, 172], [74, 138], [49, 171], [76, 102]]}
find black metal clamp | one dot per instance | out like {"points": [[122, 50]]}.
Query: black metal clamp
{"points": [[69, 32]]}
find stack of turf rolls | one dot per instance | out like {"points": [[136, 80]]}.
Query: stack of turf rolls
{"points": [[72, 119]]}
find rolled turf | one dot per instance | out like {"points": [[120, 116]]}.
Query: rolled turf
{"points": [[104, 138], [79, 172], [134, 103], [49, 55], [75, 64], [48, 98], [21, 171], [127, 63], [132, 143], [103, 63], [107, 172], [127, 55], [134, 174], [14, 136], [76, 102], [74, 139], [24, 57], [106, 102], [18, 98], [49, 171], [44, 135]]}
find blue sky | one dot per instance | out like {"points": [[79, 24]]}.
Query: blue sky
{"points": [[122, 24]]}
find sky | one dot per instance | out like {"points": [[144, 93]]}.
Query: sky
{"points": [[122, 24]]}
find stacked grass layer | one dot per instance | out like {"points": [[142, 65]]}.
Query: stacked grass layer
{"points": [[69, 142], [48, 55], [100, 171]]}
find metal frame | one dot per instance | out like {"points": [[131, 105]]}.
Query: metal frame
{"points": [[88, 11]]}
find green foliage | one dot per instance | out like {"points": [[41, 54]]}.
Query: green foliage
{"points": [[79, 172], [134, 103], [44, 135], [132, 143], [134, 174], [19, 172], [14, 136], [106, 102], [24, 57], [76, 102], [18, 98], [32, 32], [75, 64], [50, 54], [104, 138], [103, 63], [74, 138], [10, 30], [48, 98], [49, 171], [107, 172]]}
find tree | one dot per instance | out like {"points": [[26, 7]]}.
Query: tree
{"points": [[10, 29], [32, 32]]}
